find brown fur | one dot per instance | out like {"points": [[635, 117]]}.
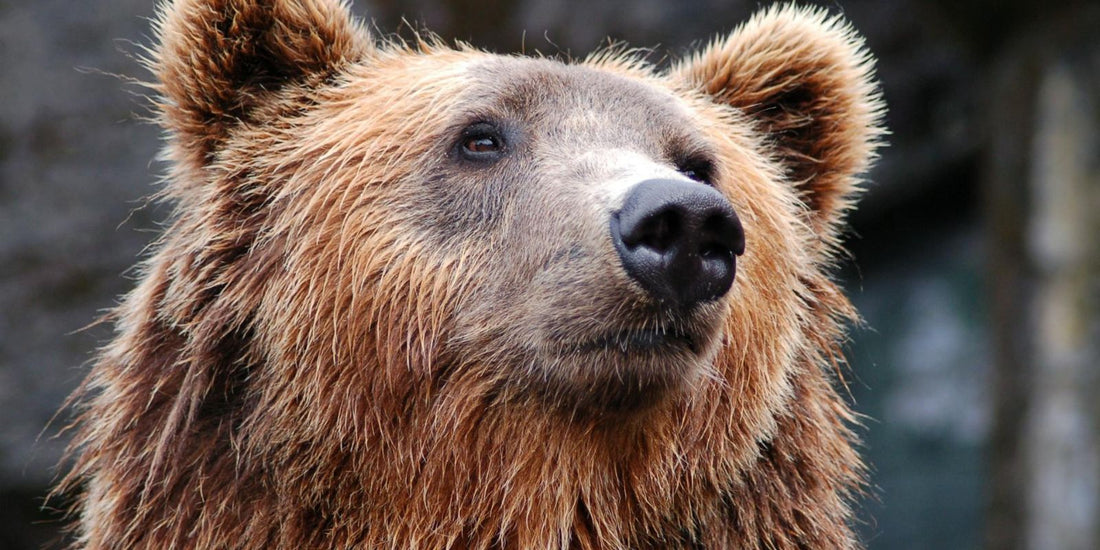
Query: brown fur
{"points": [[341, 339]]}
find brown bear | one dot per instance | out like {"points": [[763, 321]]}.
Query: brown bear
{"points": [[416, 296]]}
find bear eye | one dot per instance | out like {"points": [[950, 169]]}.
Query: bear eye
{"points": [[698, 169], [481, 142]]}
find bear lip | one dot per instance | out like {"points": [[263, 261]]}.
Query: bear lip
{"points": [[638, 341]]}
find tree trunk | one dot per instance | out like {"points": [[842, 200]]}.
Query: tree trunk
{"points": [[1043, 193]]}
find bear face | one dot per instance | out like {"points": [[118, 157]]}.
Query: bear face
{"points": [[569, 143], [416, 296]]}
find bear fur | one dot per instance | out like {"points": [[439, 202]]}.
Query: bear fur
{"points": [[351, 335]]}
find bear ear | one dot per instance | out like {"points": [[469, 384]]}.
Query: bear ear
{"points": [[806, 79], [216, 60]]}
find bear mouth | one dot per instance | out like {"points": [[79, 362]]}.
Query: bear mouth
{"points": [[639, 341]]}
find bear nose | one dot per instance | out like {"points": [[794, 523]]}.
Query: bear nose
{"points": [[678, 240]]}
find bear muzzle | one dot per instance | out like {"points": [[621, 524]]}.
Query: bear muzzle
{"points": [[678, 240]]}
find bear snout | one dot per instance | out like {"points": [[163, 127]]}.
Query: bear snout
{"points": [[678, 240]]}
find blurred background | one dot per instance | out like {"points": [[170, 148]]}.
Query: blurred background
{"points": [[975, 252]]}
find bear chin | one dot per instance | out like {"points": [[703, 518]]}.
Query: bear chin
{"points": [[621, 371]]}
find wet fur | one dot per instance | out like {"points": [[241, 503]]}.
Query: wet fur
{"points": [[309, 361]]}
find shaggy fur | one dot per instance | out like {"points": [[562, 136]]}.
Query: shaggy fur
{"points": [[347, 338]]}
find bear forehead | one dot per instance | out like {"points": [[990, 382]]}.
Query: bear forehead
{"points": [[579, 100]]}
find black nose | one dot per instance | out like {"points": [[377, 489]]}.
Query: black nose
{"points": [[678, 240]]}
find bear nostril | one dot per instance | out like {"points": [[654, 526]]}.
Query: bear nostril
{"points": [[725, 232], [714, 251], [678, 240], [658, 232]]}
